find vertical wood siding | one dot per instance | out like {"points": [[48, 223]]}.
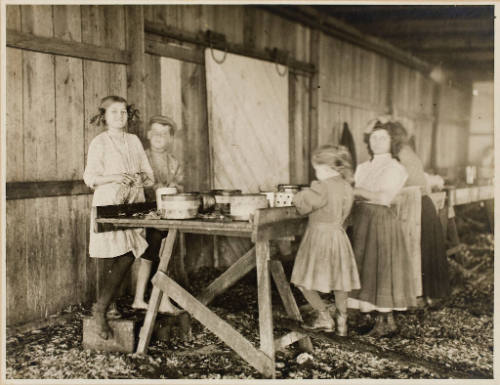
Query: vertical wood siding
{"points": [[51, 99], [413, 105], [452, 130], [354, 89]]}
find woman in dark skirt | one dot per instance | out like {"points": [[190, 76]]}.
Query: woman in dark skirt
{"points": [[381, 255], [435, 276]]}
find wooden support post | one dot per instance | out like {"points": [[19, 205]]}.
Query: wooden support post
{"points": [[182, 258], [315, 98], [390, 88], [216, 251], [290, 305], [260, 361], [489, 208], [227, 279], [291, 127], [436, 96], [136, 85], [156, 295], [262, 252]]}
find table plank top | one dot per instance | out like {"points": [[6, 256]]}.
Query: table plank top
{"points": [[187, 225]]}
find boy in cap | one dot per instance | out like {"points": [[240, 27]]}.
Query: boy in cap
{"points": [[168, 172]]}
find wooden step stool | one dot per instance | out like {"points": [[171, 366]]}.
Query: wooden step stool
{"points": [[122, 340]]}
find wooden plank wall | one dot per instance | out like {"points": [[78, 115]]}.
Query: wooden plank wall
{"points": [[412, 103], [357, 85], [481, 133], [51, 99], [239, 25], [354, 89], [452, 131]]}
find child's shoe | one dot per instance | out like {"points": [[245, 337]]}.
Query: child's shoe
{"points": [[323, 321], [113, 312], [391, 324]]}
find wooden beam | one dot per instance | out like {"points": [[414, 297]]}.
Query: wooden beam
{"points": [[470, 56], [55, 46], [227, 279], [314, 19], [404, 12], [314, 96], [136, 71], [174, 51], [260, 361], [466, 65], [398, 28], [444, 42], [475, 74], [202, 40], [30, 190]]}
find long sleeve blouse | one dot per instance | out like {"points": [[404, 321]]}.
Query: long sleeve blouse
{"points": [[327, 201], [381, 174], [106, 157]]}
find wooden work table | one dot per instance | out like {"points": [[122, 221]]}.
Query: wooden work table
{"points": [[267, 225], [451, 197]]}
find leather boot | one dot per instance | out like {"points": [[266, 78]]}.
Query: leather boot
{"points": [[323, 321], [114, 278], [379, 328]]}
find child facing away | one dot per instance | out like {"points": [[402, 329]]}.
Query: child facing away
{"points": [[168, 172], [325, 260]]}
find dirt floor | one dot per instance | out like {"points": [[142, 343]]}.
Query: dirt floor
{"points": [[453, 339]]}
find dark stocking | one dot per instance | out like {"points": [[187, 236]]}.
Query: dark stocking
{"points": [[113, 279]]}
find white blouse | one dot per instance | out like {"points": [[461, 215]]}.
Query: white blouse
{"points": [[381, 174]]}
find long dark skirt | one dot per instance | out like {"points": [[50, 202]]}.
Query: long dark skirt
{"points": [[435, 275], [383, 261]]}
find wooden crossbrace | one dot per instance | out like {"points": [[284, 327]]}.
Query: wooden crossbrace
{"points": [[291, 308], [255, 357]]}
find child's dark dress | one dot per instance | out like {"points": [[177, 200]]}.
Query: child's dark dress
{"points": [[325, 260]]}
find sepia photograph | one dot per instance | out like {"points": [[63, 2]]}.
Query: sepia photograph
{"points": [[228, 192]]}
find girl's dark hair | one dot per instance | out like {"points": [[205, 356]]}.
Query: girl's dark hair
{"points": [[336, 157], [396, 132], [99, 119]]}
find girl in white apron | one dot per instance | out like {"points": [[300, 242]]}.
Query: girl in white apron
{"points": [[117, 169]]}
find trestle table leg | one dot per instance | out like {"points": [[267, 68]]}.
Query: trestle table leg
{"points": [[264, 296], [289, 301], [156, 295]]}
